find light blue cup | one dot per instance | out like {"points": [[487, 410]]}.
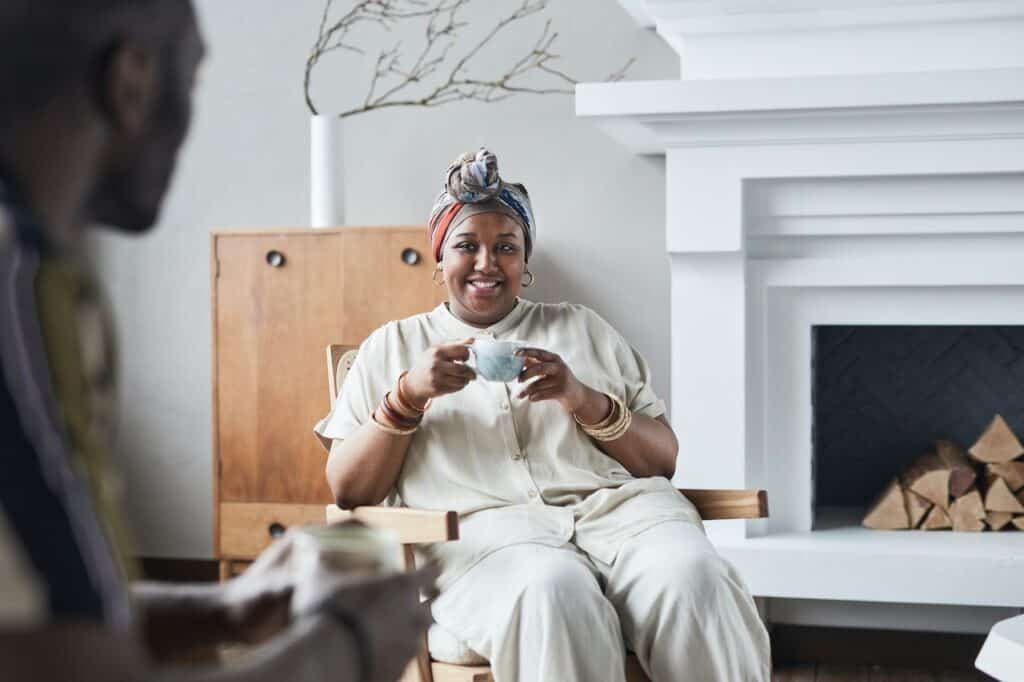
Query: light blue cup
{"points": [[496, 360]]}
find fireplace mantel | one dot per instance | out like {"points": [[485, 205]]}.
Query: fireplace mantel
{"points": [[825, 173], [725, 39], [653, 117]]}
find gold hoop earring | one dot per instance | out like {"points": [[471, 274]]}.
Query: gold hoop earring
{"points": [[437, 270], [533, 278]]}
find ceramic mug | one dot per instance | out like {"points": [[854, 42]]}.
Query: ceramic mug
{"points": [[496, 360], [326, 554]]}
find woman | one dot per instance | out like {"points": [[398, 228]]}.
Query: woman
{"points": [[573, 541]]}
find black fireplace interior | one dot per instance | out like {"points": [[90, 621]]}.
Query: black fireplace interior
{"points": [[882, 395]]}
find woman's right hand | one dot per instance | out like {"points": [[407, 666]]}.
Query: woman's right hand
{"points": [[439, 370]]}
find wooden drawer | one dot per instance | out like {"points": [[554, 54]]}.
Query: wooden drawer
{"points": [[246, 528]]}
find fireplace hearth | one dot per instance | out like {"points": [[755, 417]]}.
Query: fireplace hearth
{"points": [[851, 170], [883, 394]]}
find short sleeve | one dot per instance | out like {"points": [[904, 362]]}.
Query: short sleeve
{"points": [[357, 397], [634, 373]]}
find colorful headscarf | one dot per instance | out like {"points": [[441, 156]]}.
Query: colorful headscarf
{"points": [[473, 186]]}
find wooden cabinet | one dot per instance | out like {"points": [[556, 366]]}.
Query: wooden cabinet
{"points": [[279, 298]]}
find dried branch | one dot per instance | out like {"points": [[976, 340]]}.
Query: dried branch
{"points": [[442, 26]]}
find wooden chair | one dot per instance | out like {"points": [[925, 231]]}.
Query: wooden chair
{"points": [[415, 526]]}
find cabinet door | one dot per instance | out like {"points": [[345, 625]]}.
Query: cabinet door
{"points": [[387, 277], [272, 325]]}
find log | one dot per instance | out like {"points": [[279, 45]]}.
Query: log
{"points": [[937, 519], [1018, 521], [997, 444], [1011, 472], [997, 520], [889, 511], [999, 498], [917, 507], [928, 477], [968, 512], [961, 472]]}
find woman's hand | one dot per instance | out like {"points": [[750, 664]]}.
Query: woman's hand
{"points": [[439, 370], [557, 382]]}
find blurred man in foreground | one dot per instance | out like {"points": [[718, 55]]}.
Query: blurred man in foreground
{"points": [[95, 101]]}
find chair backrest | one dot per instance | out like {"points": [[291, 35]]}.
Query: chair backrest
{"points": [[339, 362]]}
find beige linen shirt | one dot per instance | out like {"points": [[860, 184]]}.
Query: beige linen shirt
{"points": [[515, 471]]}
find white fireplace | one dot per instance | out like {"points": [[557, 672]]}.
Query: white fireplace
{"points": [[851, 163]]}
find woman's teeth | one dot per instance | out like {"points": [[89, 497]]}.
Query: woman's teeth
{"points": [[484, 285]]}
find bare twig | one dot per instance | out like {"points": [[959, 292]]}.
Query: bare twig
{"points": [[442, 26]]}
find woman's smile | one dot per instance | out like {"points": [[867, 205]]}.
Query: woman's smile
{"points": [[483, 266], [485, 287]]}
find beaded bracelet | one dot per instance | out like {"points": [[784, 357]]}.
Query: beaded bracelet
{"points": [[390, 429], [396, 417]]}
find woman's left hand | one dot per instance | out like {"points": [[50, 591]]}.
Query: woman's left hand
{"points": [[556, 382]]}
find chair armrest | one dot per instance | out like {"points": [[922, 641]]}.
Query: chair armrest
{"points": [[728, 504], [413, 526]]}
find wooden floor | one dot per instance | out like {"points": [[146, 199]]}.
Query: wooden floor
{"points": [[869, 673]]}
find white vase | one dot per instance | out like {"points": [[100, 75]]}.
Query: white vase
{"points": [[326, 178]]}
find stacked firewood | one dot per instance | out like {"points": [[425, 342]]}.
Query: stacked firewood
{"points": [[980, 490]]}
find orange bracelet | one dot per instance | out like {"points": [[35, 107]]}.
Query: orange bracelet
{"points": [[404, 401]]}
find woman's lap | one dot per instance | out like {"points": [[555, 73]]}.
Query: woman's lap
{"points": [[667, 588], [673, 559], [517, 576], [535, 612]]}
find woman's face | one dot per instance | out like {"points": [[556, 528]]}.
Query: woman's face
{"points": [[483, 262]]}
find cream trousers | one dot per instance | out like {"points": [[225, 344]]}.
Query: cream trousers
{"points": [[554, 614]]}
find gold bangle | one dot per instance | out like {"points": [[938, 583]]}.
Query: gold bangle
{"points": [[618, 431], [604, 423], [623, 419], [390, 429]]}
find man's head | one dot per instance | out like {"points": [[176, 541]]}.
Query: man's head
{"points": [[122, 70]]}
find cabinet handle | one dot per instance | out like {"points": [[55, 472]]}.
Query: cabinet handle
{"points": [[276, 530], [275, 258], [410, 256]]}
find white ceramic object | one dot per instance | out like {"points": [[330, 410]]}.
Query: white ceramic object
{"points": [[496, 360], [326, 172], [1002, 654], [325, 555]]}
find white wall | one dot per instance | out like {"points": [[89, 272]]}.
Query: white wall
{"points": [[600, 213]]}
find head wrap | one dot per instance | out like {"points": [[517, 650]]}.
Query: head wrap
{"points": [[473, 186]]}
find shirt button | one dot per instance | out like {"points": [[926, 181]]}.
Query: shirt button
{"points": [[518, 455], [504, 406]]}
